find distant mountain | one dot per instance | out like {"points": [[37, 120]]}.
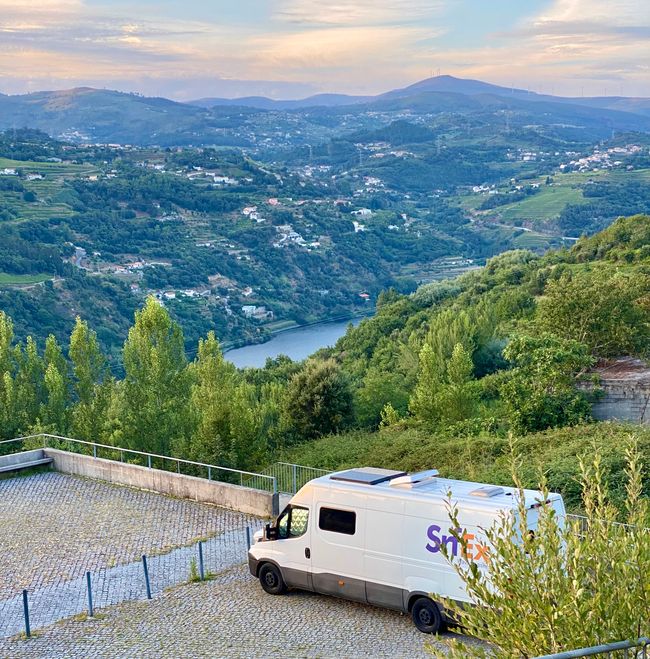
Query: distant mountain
{"points": [[99, 115], [96, 115], [264, 103], [444, 84]]}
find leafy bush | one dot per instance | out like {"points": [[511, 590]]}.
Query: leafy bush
{"points": [[566, 586]]}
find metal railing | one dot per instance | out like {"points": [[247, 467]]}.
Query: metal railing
{"points": [[622, 648], [250, 479], [289, 477]]}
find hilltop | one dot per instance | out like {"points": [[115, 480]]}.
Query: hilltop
{"points": [[100, 115]]}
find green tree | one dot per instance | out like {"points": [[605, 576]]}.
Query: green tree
{"points": [[379, 389], [53, 413], [458, 398], [424, 401], [154, 392], [318, 401], [91, 384], [540, 390], [9, 425], [29, 386], [573, 584], [605, 309], [211, 395]]}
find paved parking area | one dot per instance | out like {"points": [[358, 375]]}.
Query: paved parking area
{"points": [[229, 616], [55, 527]]}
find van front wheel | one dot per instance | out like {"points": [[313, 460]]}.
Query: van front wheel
{"points": [[426, 616], [271, 579]]}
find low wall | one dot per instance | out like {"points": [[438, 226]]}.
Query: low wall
{"points": [[623, 401], [18, 458], [242, 499]]}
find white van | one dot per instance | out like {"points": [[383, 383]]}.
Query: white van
{"points": [[374, 535]]}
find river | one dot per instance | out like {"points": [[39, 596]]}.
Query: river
{"points": [[297, 343]]}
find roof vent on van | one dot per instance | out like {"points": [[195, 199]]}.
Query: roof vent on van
{"points": [[487, 491], [414, 480]]}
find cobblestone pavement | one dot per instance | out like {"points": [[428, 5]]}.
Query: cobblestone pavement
{"points": [[229, 617], [55, 527]]}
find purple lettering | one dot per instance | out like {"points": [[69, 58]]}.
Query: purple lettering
{"points": [[434, 547]]}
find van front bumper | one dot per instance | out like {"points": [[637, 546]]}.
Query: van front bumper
{"points": [[252, 564]]}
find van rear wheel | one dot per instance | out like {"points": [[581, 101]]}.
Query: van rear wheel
{"points": [[271, 579], [426, 615]]}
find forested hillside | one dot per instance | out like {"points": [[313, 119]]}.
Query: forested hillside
{"points": [[446, 373]]}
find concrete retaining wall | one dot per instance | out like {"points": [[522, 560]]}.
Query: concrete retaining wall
{"points": [[623, 401], [242, 499], [19, 458]]}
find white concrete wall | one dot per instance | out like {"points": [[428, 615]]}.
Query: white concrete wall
{"points": [[242, 499]]}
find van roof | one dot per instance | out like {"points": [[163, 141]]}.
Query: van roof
{"points": [[426, 486]]}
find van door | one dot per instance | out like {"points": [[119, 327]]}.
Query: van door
{"points": [[292, 548], [337, 557]]}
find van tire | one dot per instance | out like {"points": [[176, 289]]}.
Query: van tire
{"points": [[271, 579], [426, 615]]}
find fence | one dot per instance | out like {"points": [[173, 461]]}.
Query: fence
{"points": [[265, 482], [619, 649], [289, 477], [187, 542]]}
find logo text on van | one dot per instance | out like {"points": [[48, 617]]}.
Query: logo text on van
{"points": [[474, 551]]}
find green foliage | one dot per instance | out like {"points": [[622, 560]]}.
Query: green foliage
{"points": [[485, 457], [572, 584], [318, 401], [625, 241], [539, 391], [609, 311], [458, 400], [92, 386], [154, 389]]}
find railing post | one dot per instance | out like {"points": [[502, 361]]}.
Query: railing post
{"points": [[201, 571], [90, 595], [121, 455], [28, 631], [178, 466], [275, 485], [146, 576], [209, 473], [149, 461], [248, 537], [295, 480], [94, 450]]}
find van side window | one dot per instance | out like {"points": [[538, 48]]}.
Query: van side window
{"points": [[338, 521], [292, 523]]}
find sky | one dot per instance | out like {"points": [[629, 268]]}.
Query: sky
{"points": [[293, 48]]}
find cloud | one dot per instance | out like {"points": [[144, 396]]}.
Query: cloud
{"points": [[359, 46], [357, 13]]}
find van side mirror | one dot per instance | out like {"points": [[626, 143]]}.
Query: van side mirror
{"points": [[271, 532]]}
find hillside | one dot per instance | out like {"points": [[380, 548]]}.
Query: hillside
{"points": [[245, 244], [99, 115], [440, 377]]}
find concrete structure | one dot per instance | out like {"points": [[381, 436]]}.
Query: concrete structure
{"points": [[625, 385], [24, 460], [234, 497]]}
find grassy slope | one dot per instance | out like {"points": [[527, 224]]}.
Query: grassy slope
{"points": [[22, 279], [483, 459]]}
